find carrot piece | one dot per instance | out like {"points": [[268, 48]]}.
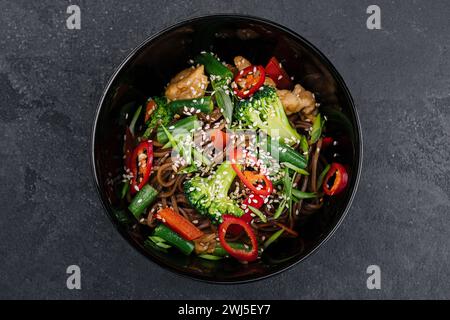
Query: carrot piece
{"points": [[149, 108], [179, 224], [219, 139]]}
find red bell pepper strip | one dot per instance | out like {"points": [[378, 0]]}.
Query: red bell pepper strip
{"points": [[141, 165], [179, 224], [248, 81], [242, 255], [219, 139], [277, 73], [336, 179]]}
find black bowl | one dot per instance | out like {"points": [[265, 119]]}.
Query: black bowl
{"points": [[147, 70]]}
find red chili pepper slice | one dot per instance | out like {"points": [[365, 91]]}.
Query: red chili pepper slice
{"points": [[327, 142], [277, 73], [141, 165], [336, 179], [248, 81], [249, 178], [242, 255], [264, 189]]}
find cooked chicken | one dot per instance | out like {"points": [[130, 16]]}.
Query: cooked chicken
{"points": [[298, 100], [188, 84], [241, 63]]}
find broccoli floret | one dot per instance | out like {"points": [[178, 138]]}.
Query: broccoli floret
{"points": [[161, 116], [265, 111], [209, 195]]}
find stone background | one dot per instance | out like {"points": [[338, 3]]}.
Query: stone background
{"points": [[51, 80]]}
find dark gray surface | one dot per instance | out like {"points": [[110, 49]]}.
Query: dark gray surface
{"points": [[51, 79]]}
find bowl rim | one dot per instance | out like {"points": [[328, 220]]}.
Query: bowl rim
{"points": [[337, 76]]}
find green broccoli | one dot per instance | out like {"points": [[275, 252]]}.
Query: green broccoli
{"points": [[265, 111], [160, 116], [209, 195]]}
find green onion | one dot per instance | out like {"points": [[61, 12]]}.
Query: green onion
{"points": [[142, 200], [280, 209], [213, 66], [189, 169], [304, 145], [322, 175], [173, 238], [221, 252], [316, 131], [303, 195], [290, 192], [273, 238], [134, 120], [210, 257], [152, 245], [156, 239], [258, 213], [172, 142], [163, 245], [204, 104], [201, 157], [296, 169], [224, 102], [181, 126], [125, 188]]}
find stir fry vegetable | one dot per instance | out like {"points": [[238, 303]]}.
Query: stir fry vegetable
{"points": [[265, 112], [141, 165], [240, 254], [335, 180], [248, 81], [209, 196], [227, 161], [277, 73]]}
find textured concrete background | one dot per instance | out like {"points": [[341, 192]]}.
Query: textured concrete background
{"points": [[51, 79]]}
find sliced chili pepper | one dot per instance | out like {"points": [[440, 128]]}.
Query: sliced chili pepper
{"points": [[277, 73], [242, 255], [141, 165], [249, 178], [326, 142], [260, 189], [179, 224], [336, 179], [252, 200], [248, 81]]}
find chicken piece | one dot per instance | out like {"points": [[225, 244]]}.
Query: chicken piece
{"points": [[241, 63], [298, 100], [307, 100], [205, 244], [188, 84]]}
